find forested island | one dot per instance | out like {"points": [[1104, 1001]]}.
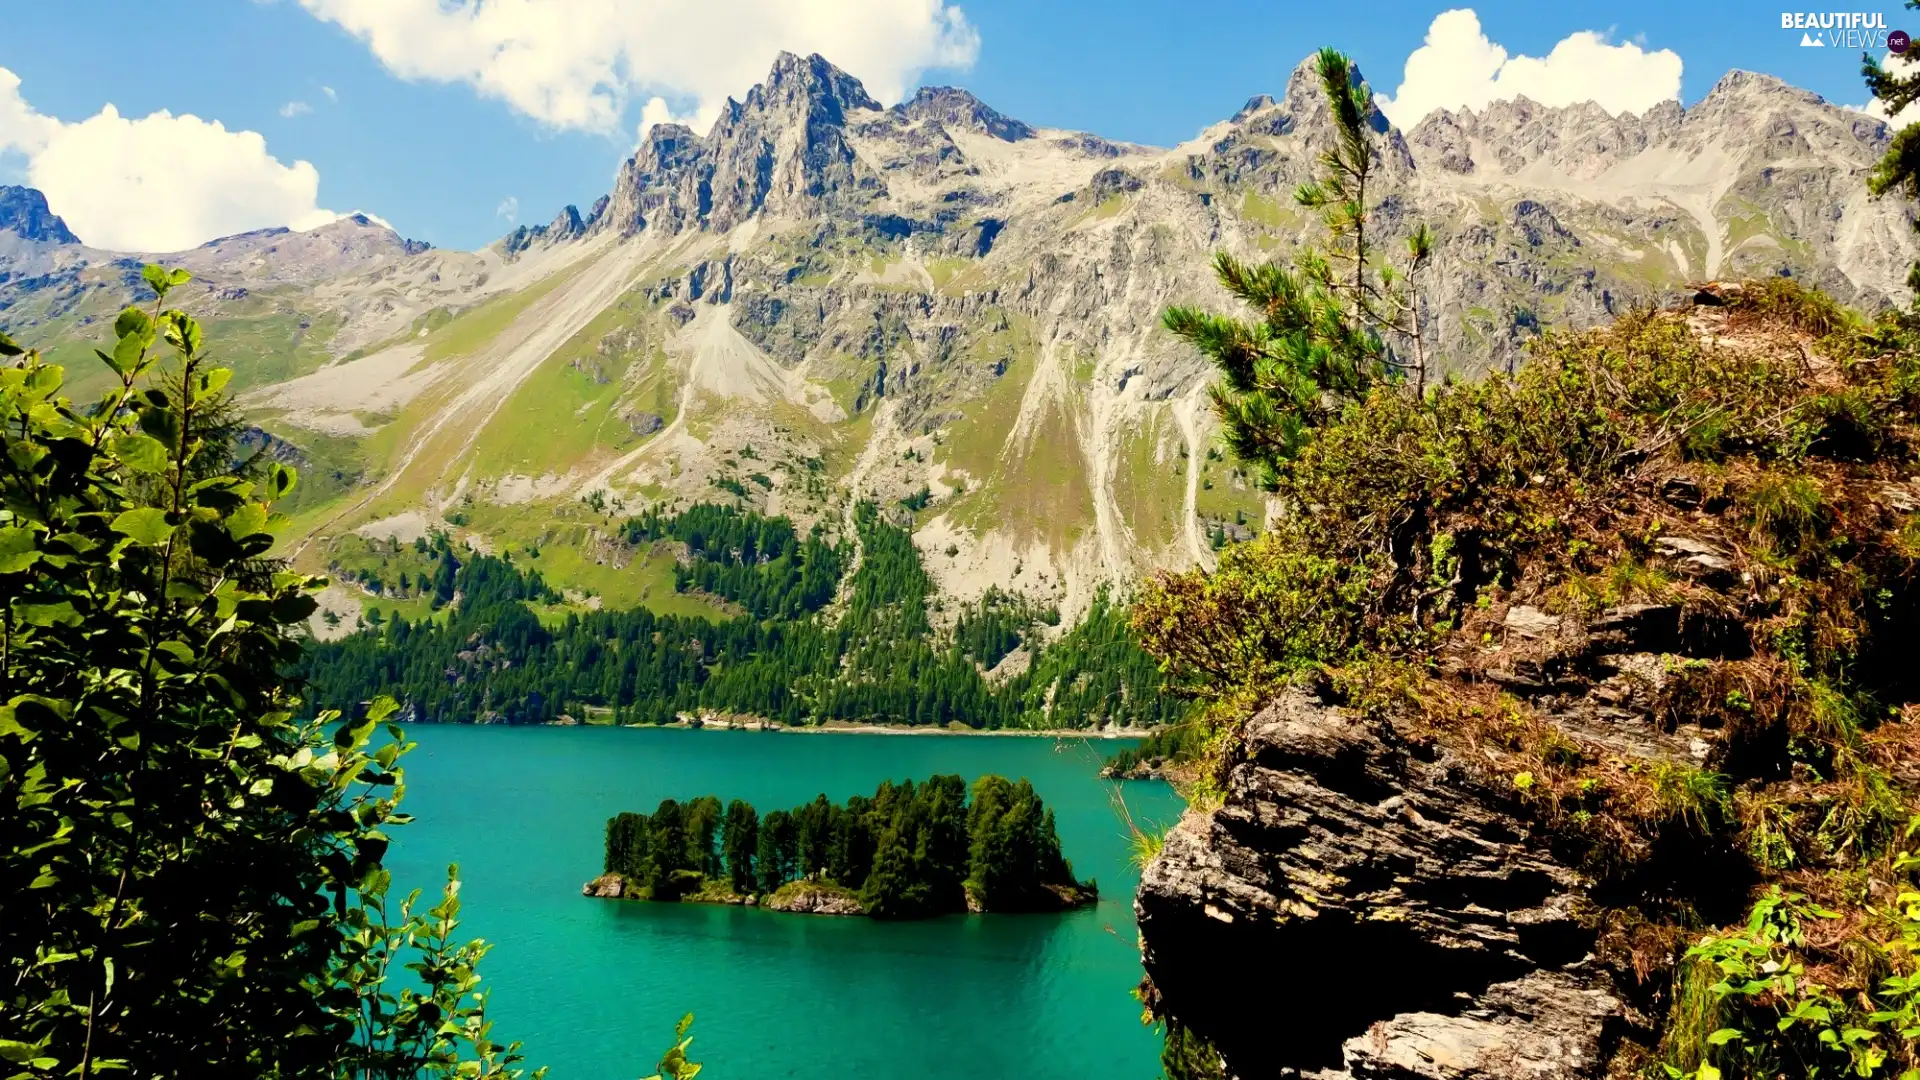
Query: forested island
{"points": [[486, 654], [909, 852]]}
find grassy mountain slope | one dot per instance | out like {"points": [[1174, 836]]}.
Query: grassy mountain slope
{"points": [[941, 310]]}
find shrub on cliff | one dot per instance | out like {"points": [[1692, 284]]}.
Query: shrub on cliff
{"points": [[1744, 465]]}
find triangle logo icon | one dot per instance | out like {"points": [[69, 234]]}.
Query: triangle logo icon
{"points": [[1808, 41]]}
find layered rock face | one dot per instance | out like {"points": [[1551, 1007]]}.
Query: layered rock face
{"points": [[1358, 909]]}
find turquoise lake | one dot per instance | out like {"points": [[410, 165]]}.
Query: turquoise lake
{"points": [[593, 987]]}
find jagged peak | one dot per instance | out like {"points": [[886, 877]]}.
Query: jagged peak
{"points": [[24, 211], [1254, 104], [812, 80], [566, 223], [1740, 84], [952, 105], [670, 133], [1305, 97], [667, 144]]}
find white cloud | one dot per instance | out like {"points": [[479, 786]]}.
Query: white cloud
{"points": [[159, 183], [1458, 66], [329, 91], [657, 111], [1897, 65], [580, 63], [295, 108], [509, 208]]}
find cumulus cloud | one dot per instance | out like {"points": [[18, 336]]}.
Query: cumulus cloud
{"points": [[329, 91], [158, 183], [295, 108], [1896, 65], [1459, 67], [509, 208], [581, 63]]}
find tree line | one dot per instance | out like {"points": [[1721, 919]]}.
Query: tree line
{"points": [[910, 851], [758, 562], [490, 658]]}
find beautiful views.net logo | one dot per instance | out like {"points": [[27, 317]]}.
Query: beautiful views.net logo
{"points": [[1844, 30]]}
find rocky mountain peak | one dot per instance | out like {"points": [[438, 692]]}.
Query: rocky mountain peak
{"points": [[1254, 104], [667, 145], [24, 211], [365, 234], [1738, 85], [1305, 98], [812, 86], [1304, 107], [566, 225], [784, 148], [953, 106]]}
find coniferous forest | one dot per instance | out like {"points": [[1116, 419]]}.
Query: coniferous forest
{"points": [[910, 851], [791, 657]]}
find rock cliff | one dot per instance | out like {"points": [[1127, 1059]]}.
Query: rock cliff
{"points": [[1385, 917], [24, 212]]}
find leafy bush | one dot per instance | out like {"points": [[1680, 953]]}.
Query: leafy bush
{"points": [[192, 882]]}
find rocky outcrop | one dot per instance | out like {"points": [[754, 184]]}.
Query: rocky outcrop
{"points": [[605, 887], [950, 105], [567, 225], [24, 212], [1385, 916], [1415, 923], [813, 898], [1153, 768]]}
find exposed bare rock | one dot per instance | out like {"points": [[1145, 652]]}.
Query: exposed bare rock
{"points": [[605, 887], [1386, 916], [1529, 621], [24, 212], [813, 898], [1696, 558], [1542, 1026]]}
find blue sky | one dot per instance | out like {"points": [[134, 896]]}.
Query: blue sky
{"points": [[438, 153]]}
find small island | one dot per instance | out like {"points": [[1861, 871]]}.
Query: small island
{"points": [[909, 852]]}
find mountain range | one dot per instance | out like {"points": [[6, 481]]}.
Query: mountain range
{"points": [[934, 306]]}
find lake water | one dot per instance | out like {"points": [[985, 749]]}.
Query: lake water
{"points": [[593, 987]]}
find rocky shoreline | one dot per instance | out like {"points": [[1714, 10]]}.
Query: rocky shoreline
{"points": [[797, 897], [800, 897]]}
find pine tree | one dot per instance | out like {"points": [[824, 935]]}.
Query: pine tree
{"points": [[666, 850], [894, 890], [739, 838], [703, 822], [1326, 328], [774, 858]]}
